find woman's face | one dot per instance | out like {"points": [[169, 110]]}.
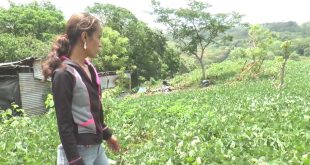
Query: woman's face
{"points": [[93, 43]]}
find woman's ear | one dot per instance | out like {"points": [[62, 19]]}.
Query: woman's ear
{"points": [[84, 36]]}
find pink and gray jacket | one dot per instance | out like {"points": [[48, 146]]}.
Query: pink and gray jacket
{"points": [[78, 107]]}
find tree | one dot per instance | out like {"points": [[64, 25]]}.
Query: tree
{"points": [[26, 30], [305, 28], [13, 48], [281, 61], [114, 52], [194, 28], [289, 26], [307, 51], [170, 62], [40, 20], [286, 46], [300, 45], [147, 48], [260, 41], [118, 18]]}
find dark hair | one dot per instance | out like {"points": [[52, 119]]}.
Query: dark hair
{"points": [[76, 25]]}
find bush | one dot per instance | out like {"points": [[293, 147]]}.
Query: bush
{"points": [[11, 112], [28, 140], [294, 56], [187, 64], [307, 52]]}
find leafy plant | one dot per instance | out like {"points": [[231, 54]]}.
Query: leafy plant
{"points": [[231, 123], [11, 112]]}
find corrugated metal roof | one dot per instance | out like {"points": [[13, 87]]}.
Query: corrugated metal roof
{"points": [[32, 94], [25, 62]]}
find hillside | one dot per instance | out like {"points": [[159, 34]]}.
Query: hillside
{"points": [[246, 122], [239, 123]]}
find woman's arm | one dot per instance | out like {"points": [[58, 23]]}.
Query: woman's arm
{"points": [[62, 87]]}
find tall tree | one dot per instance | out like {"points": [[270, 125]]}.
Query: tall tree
{"points": [[14, 48], [289, 26], [193, 27], [146, 48], [305, 28], [26, 30], [114, 51], [40, 20]]}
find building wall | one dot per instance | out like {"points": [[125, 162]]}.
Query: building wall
{"points": [[32, 92], [37, 70], [109, 81], [9, 91]]}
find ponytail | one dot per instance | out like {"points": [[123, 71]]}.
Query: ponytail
{"points": [[60, 47]]}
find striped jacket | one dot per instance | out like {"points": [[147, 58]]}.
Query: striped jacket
{"points": [[78, 107]]}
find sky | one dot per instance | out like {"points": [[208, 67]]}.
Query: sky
{"points": [[254, 11]]}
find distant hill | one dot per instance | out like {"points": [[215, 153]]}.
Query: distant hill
{"points": [[289, 26]]}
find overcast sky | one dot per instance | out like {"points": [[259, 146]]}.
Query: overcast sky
{"points": [[255, 11]]}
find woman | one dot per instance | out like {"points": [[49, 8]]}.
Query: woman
{"points": [[77, 94]]}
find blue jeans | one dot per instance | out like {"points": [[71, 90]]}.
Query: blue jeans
{"points": [[92, 155]]}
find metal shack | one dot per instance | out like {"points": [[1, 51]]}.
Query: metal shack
{"points": [[21, 82]]}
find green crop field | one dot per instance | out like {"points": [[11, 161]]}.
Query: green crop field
{"points": [[248, 122]]}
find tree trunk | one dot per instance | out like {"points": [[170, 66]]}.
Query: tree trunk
{"points": [[282, 73], [260, 65], [243, 68], [203, 70]]}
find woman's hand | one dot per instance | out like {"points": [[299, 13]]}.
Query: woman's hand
{"points": [[113, 144]]}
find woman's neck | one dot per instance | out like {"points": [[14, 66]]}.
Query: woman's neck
{"points": [[77, 55]]}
